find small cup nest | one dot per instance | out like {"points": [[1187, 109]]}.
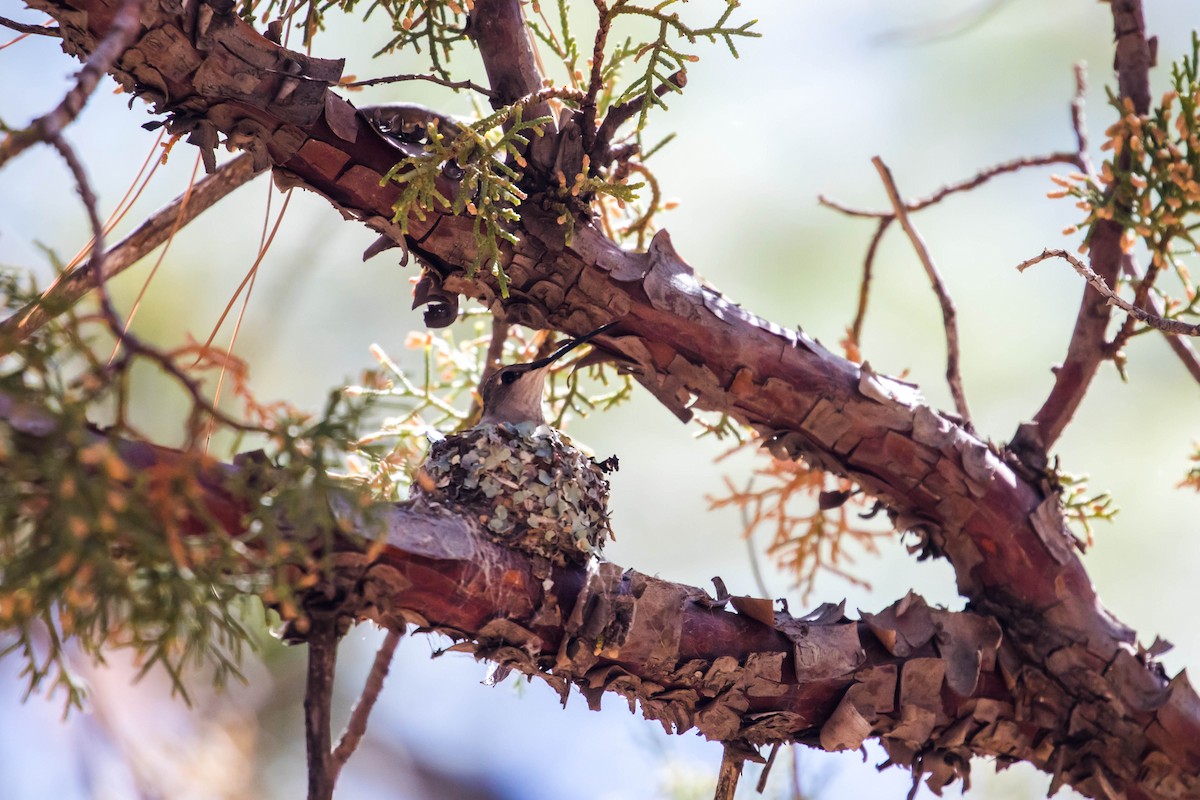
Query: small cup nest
{"points": [[531, 488]]}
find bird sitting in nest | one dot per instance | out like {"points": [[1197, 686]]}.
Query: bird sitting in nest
{"points": [[530, 486]]}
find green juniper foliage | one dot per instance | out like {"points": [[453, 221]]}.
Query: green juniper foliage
{"points": [[486, 160], [486, 184], [1150, 184], [108, 541]]}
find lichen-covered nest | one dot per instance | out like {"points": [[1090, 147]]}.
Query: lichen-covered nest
{"points": [[531, 488]]}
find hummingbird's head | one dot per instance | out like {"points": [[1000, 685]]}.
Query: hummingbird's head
{"points": [[513, 394]]}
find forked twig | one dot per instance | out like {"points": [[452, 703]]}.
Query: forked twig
{"points": [[978, 179], [949, 315]]}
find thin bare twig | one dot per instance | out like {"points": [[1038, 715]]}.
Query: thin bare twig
{"points": [[1171, 326], [126, 24], [619, 115], [1180, 346], [974, 181], [455, 85], [732, 762], [1087, 349], [322, 641], [595, 79], [24, 27], [1079, 119], [766, 770], [357, 725], [149, 235], [864, 288], [949, 315]]}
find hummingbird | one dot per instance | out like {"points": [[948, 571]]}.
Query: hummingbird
{"points": [[529, 485], [513, 394]]}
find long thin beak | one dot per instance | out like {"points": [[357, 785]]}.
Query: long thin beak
{"points": [[569, 346]]}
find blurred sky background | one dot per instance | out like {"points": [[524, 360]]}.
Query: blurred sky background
{"points": [[939, 89]]}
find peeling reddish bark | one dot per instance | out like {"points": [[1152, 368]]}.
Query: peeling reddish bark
{"points": [[1087, 349], [1079, 699]]}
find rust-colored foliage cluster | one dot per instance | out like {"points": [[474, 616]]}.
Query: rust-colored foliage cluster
{"points": [[812, 516]]}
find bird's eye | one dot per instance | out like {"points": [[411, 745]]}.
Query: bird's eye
{"points": [[508, 378]]}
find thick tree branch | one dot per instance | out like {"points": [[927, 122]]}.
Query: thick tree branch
{"points": [[935, 687], [1087, 348], [498, 27], [1100, 713]]}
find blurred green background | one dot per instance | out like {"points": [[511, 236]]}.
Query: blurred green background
{"points": [[939, 89]]}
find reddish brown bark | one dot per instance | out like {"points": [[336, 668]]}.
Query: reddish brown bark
{"points": [[1087, 349], [1078, 698]]}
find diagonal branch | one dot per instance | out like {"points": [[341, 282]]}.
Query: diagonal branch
{"points": [[1181, 346], [356, 727], [965, 185], [935, 687], [150, 234], [1173, 327], [1087, 349], [28, 29], [122, 33], [949, 315]]}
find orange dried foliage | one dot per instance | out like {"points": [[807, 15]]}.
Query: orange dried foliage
{"points": [[1192, 481], [206, 358], [813, 516]]}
